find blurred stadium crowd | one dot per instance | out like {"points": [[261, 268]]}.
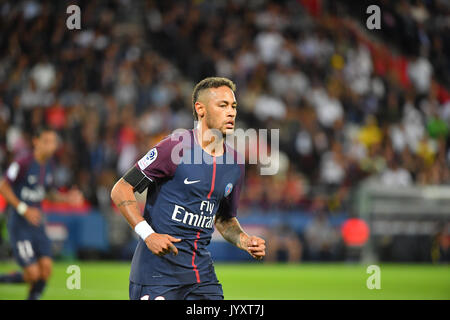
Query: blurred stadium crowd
{"points": [[349, 102]]}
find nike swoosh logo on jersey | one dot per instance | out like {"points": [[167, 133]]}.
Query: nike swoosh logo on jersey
{"points": [[190, 182]]}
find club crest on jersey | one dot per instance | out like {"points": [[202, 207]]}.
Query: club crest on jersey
{"points": [[32, 179], [148, 159], [49, 179], [228, 189]]}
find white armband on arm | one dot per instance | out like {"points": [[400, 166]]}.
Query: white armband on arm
{"points": [[143, 229], [21, 208]]}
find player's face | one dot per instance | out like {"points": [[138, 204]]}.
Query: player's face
{"points": [[46, 144], [221, 110]]}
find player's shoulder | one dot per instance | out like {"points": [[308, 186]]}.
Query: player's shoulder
{"points": [[168, 150], [19, 167], [237, 157], [180, 137], [24, 160]]}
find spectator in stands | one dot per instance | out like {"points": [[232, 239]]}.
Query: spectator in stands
{"points": [[394, 175], [420, 71], [441, 244], [333, 165], [321, 238], [283, 239]]}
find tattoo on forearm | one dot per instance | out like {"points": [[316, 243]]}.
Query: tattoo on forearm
{"points": [[126, 203], [232, 232]]}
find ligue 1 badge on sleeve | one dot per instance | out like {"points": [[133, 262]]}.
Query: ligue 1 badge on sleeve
{"points": [[148, 158], [228, 189]]}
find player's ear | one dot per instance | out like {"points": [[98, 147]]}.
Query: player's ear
{"points": [[200, 108]]}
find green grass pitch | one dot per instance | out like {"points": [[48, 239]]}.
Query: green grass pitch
{"points": [[258, 281]]}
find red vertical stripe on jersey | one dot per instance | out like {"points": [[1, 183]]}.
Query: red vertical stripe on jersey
{"points": [[197, 275], [213, 178]]}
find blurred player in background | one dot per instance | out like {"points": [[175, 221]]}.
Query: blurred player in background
{"points": [[27, 182], [184, 202]]}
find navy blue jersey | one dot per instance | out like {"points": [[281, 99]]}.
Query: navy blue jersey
{"points": [[30, 181], [190, 192]]}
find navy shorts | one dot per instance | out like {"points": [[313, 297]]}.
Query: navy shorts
{"points": [[29, 244], [197, 291]]}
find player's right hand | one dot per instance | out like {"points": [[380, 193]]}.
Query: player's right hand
{"points": [[161, 244], [33, 215]]}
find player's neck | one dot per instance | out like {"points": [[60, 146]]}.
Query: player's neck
{"points": [[213, 145], [40, 158]]}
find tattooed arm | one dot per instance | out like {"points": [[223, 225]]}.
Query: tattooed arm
{"points": [[231, 230], [123, 196]]}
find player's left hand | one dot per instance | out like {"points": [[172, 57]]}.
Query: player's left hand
{"points": [[256, 247]]}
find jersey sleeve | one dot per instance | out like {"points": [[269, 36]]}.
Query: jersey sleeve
{"points": [[16, 171], [229, 204], [157, 164]]}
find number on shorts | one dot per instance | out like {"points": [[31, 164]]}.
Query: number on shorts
{"points": [[25, 249]]}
